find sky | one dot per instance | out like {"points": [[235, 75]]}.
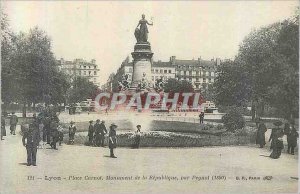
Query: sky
{"points": [[104, 30]]}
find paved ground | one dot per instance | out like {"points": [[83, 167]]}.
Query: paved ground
{"points": [[84, 161]]}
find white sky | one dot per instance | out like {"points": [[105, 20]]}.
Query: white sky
{"points": [[104, 30]]}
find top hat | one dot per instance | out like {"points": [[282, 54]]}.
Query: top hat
{"points": [[72, 122], [98, 120], [113, 125], [138, 126], [91, 121]]}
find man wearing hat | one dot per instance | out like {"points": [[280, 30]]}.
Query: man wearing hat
{"points": [[97, 136], [72, 130], [112, 139], [260, 135], [277, 142], [103, 131], [91, 132], [31, 139], [13, 123], [137, 137]]}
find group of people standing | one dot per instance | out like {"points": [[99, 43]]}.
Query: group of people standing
{"points": [[97, 132], [13, 121], [276, 137]]}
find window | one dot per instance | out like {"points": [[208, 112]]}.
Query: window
{"points": [[90, 72], [156, 70], [130, 70], [95, 72], [152, 70], [165, 71], [152, 78], [197, 79], [95, 80], [84, 73], [89, 67], [84, 67], [95, 67], [212, 74], [207, 73], [161, 71], [170, 71]]}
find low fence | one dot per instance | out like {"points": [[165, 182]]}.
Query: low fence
{"points": [[169, 139]]}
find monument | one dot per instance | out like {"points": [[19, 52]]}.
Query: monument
{"points": [[142, 57]]}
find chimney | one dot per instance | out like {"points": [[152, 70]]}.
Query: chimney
{"points": [[218, 61], [172, 59]]}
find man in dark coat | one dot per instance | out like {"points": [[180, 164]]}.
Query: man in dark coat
{"points": [[47, 129], [292, 140], [13, 123], [97, 136], [112, 140], [72, 131], [3, 130], [201, 116], [260, 135], [31, 139], [103, 131], [91, 132]]}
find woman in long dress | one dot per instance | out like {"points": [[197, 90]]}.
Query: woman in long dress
{"points": [[143, 35], [277, 142]]}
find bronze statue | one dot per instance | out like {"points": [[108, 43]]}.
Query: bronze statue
{"points": [[141, 34]]}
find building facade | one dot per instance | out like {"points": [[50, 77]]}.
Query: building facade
{"points": [[200, 73], [80, 67]]}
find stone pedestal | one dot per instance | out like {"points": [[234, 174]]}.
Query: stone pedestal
{"points": [[142, 63]]}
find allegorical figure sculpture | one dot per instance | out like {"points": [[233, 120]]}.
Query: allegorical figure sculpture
{"points": [[141, 34]]}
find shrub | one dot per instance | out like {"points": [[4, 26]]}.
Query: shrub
{"points": [[233, 120]]}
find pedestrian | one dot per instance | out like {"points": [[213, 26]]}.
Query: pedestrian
{"points": [[41, 132], [260, 135], [277, 141], [31, 139], [91, 133], [54, 133], [286, 129], [292, 140], [112, 139], [13, 123], [3, 130], [201, 116], [103, 131], [60, 134], [275, 132], [47, 129], [97, 135], [137, 137], [72, 131]]}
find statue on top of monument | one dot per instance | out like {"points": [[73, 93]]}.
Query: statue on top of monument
{"points": [[141, 34]]}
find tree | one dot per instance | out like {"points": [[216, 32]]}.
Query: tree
{"points": [[8, 84], [231, 86], [29, 70], [81, 90], [174, 85], [269, 57], [265, 71]]}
